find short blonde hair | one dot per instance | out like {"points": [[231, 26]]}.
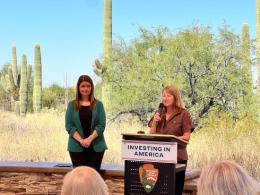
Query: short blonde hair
{"points": [[225, 178], [83, 180]]}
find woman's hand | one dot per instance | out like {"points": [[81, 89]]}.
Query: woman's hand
{"points": [[81, 141], [156, 118], [86, 142], [186, 136]]}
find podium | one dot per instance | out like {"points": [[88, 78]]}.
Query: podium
{"points": [[150, 163]]}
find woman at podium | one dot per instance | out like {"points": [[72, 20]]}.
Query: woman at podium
{"points": [[173, 119]]}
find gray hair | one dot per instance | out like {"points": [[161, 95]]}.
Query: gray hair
{"points": [[83, 180], [225, 178]]}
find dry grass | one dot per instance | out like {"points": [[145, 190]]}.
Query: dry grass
{"points": [[113, 138], [36, 137], [224, 139], [42, 137]]}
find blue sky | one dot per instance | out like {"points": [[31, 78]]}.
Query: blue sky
{"points": [[70, 31]]}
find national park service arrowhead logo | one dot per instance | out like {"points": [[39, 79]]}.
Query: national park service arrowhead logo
{"points": [[148, 176]]}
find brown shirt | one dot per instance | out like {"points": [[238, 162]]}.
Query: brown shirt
{"points": [[178, 123]]}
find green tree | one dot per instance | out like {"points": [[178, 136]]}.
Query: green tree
{"points": [[206, 67], [142, 68], [53, 96], [5, 102], [5, 99]]}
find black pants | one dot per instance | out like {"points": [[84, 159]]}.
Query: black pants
{"points": [[87, 158], [180, 179]]}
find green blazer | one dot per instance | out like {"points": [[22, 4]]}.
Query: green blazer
{"points": [[98, 123]]}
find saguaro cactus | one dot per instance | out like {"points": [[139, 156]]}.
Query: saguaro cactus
{"points": [[29, 72], [107, 33], [14, 65], [11, 83], [13, 77], [24, 87], [37, 83], [258, 41], [246, 57], [105, 70]]}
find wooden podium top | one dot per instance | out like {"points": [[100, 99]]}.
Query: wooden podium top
{"points": [[154, 137]]}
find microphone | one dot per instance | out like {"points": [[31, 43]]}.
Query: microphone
{"points": [[160, 109]]}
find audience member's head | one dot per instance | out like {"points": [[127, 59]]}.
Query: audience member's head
{"points": [[83, 181], [225, 178]]}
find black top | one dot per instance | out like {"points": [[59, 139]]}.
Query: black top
{"points": [[85, 116]]}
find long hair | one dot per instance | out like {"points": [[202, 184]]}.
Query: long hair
{"points": [[177, 103], [92, 99], [83, 180], [225, 178]]}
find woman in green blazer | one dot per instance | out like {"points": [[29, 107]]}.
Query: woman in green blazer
{"points": [[85, 123]]}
